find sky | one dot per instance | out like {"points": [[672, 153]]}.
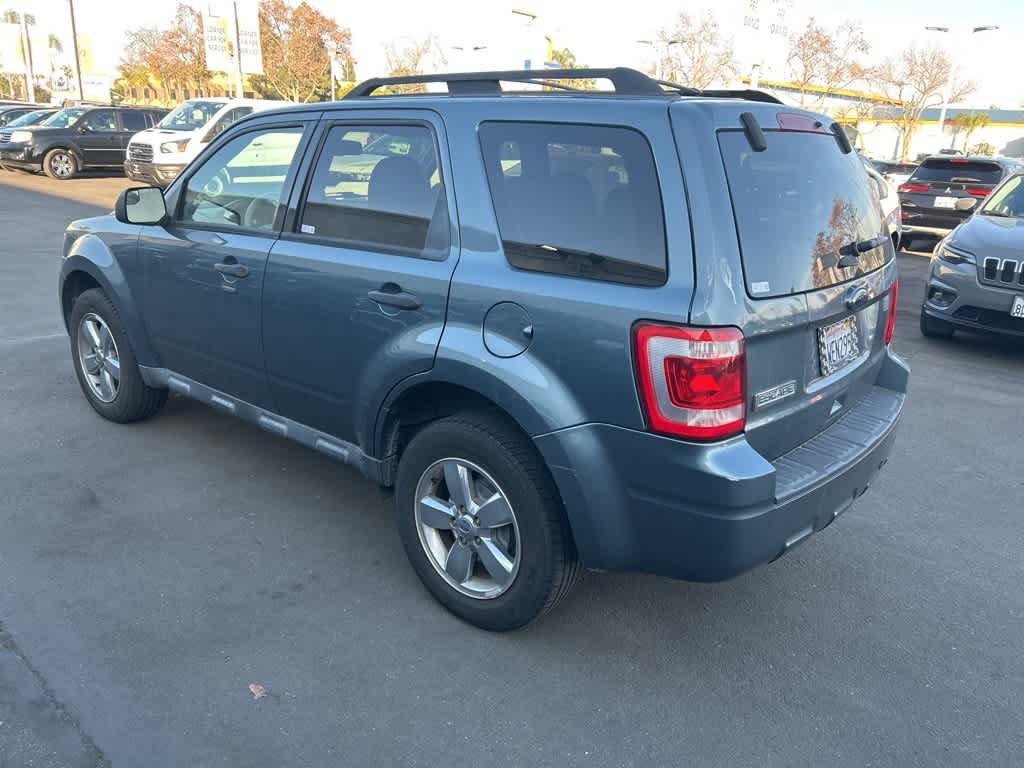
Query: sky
{"points": [[601, 38]]}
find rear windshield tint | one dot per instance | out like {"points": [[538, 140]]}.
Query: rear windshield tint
{"points": [[959, 171], [796, 205], [577, 200]]}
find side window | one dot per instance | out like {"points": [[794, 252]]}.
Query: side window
{"points": [[241, 184], [577, 200], [228, 118], [133, 121], [100, 120], [379, 186]]}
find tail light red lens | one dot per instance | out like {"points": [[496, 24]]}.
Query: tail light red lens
{"points": [[890, 319], [692, 381], [978, 191], [913, 188]]}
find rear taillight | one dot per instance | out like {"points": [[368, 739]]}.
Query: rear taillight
{"points": [[913, 188], [692, 381], [904, 216], [978, 191], [890, 319]]}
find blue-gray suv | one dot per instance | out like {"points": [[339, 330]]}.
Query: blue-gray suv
{"points": [[640, 329]]}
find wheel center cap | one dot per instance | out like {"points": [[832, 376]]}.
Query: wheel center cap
{"points": [[464, 525]]}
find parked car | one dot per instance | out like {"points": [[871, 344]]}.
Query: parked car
{"points": [[976, 280], [889, 200], [7, 114], [941, 192], [74, 139], [894, 172], [158, 154], [35, 117], [510, 310]]}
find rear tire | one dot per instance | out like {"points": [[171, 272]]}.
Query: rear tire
{"points": [[60, 164], [935, 329], [105, 364], [536, 548]]}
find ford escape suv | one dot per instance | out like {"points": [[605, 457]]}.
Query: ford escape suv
{"points": [[640, 329]]}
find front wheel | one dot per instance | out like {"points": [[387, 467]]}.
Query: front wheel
{"points": [[60, 164], [105, 364], [482, 523]]}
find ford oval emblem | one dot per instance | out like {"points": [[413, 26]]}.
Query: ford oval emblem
{"points": [[857, 297]]}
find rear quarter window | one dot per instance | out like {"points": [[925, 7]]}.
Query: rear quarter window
{"points": [[577, 200], [797, 205]]}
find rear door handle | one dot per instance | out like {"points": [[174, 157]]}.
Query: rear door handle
{"points": [[234, 269], [393, 296]]}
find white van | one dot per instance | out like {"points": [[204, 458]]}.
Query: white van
{"points": [[158, 154]]}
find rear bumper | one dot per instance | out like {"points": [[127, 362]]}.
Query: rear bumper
{"points": [[158, 174], [642, 502]]}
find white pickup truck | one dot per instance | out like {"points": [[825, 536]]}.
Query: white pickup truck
{"points": [[158, 154]]}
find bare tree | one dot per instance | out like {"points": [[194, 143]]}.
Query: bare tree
{"points": [[411, 60], [826, 58], [695, 53], [914, 82]]}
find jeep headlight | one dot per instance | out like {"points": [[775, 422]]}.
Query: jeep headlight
{"points": [[21, 137], [954, 255], [174, 146]]}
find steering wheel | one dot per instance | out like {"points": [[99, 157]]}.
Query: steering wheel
{"points": [[260, 213]]}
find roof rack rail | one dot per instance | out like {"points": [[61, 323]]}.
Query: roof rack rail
{"points": [[626, 81], [746, 94]]}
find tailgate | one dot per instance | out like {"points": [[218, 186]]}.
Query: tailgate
{"points": [[815, 265]]}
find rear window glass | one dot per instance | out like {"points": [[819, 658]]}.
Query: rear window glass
{"points": [[577, 200], [797, 204], [965, 171]]}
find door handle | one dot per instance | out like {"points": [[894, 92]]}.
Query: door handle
{"points": [[234, 269], [393, 296]]}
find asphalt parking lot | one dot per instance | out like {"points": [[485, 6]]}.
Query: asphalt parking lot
{"points": [[150, 574]]}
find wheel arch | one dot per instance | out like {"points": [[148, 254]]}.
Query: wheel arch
{"points": [[89, 263]]}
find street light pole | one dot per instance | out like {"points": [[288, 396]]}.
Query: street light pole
{"points": [[952, 74], [74, 42]]}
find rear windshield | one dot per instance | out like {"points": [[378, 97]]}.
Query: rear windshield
{"points": [[959, 171], [796, 205]]}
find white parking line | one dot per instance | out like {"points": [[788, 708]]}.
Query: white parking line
{"points": [[44, 337]]}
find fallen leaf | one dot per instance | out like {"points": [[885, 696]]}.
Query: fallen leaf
{"points": [[258, 691]]}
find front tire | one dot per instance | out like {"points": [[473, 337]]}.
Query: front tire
{"points": [[482, 522], [60, 164], [935, 329], [105, 364]]}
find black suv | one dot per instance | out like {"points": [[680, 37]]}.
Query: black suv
{"points": [[76, 138], [941, 193]]}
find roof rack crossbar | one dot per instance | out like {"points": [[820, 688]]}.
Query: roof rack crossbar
{"points": [[626, 81]]}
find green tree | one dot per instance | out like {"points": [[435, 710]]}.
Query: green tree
{"points": [[968, 123], [566, 59], [294, 39]]}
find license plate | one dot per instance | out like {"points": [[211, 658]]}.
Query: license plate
{"points": [[1017, 310], [945, 202], [838, 345]]}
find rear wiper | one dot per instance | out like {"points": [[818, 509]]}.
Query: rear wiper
{"points": [[965, 180], [849, 255]]}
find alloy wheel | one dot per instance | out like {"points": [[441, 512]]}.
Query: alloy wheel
{"points": [[62, 164], [468, 528], [99, 358]]}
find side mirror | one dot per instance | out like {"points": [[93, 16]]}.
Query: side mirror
{"points": [[966, 204], [141, 205], [881, 187]]}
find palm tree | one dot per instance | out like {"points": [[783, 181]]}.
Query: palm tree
{"points": [[969, 123]]}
